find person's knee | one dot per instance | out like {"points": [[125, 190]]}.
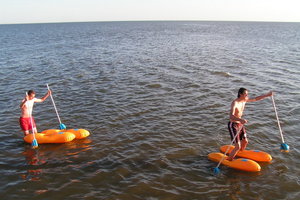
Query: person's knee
{"points": [[238, 146], [26, 133]]}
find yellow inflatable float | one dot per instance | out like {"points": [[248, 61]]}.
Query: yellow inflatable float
{"points": [[57, 136]]}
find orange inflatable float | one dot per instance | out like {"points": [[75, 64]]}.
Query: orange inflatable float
{"points": [[57, 136], [42, 138], [240, 163], [79, 133], [259, 156]]}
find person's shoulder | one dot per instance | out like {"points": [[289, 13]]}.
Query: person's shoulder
{"points": [[238, 101], [36, 99], [235, 100]]}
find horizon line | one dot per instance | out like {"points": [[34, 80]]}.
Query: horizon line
{"points": [[105, 21]]}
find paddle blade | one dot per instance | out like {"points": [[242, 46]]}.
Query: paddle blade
{"points": [[62, 127], [34, 144], [217, 171], [284, 147]]}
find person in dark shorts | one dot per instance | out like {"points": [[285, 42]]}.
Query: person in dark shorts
{"points": [[236, 122]]}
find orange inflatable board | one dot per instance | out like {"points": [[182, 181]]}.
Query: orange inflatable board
{"points": [[240, 163], [58, 137], [79, 133], [255, 155]]}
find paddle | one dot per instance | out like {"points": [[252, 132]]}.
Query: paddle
{"points": [[61, 125], [216, 169], [34, 143], [283, 146]]}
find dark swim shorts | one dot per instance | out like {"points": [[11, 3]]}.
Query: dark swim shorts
{"points": [[233, 130]]}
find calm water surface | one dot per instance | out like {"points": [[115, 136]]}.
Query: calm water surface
{"points": [[155, 97]]}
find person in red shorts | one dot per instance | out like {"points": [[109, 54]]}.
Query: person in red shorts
{"points": [[26, 119], [236, 122]]}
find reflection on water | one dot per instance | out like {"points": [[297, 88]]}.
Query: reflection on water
{"points": [[34, 158], [40, 159]]}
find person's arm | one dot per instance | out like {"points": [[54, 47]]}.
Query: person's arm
{"points": [[260, 97], [23, 103], [43, 98]]}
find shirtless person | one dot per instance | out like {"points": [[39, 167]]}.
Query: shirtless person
{"points": [[236, 122], [26, 111]]}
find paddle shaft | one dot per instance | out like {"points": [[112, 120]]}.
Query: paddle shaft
{"points": [[280, 131], [238, 133], [54, 105]]}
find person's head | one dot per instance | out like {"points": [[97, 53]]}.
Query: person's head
{"points": [[31, 94], [242, 91]]}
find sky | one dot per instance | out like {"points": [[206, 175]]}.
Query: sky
{"points": [[48, 11]]}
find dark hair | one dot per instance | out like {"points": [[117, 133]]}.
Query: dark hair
{"points": [[241, 91], [30, 92]]}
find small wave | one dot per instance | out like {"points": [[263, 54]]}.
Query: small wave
{"points": [[223, 74], [154, 85]]}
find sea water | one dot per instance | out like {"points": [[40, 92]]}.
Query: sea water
{"points": [[156, 98]]}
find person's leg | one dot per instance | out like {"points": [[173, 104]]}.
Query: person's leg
{"points": [[236, 149], [33, 126], [25, 132], [233, 131], [244, 144], [244, 140], [24, 125], [34, 130]]}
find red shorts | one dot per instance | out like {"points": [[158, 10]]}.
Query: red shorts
{"points": [[25, 123]]}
